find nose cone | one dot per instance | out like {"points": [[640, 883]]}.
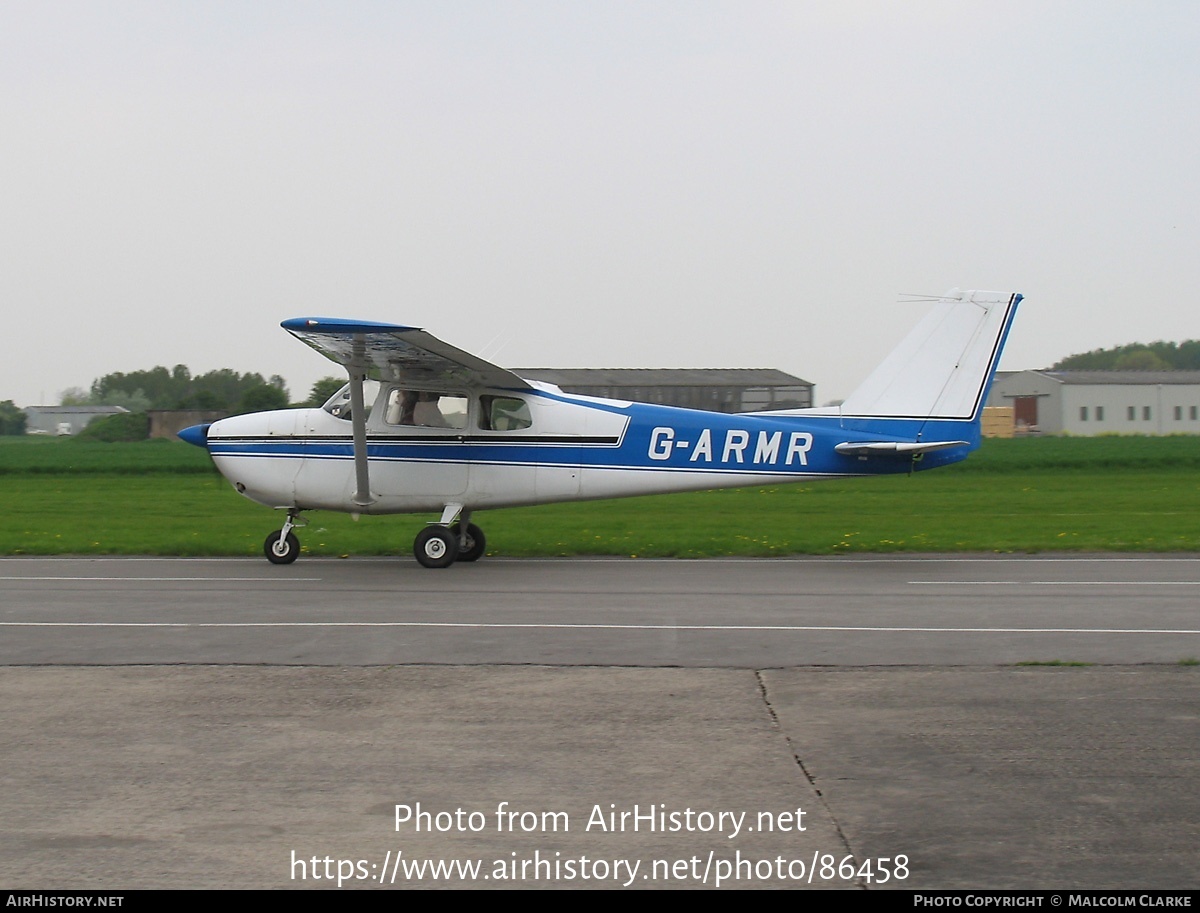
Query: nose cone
{"points": [[196, 434]]}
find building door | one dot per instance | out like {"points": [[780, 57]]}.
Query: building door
{"points": [[1025, 411]]}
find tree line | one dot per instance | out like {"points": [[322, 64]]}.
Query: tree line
{"points": [[159, 388], [223, 390], [1155, 356]]}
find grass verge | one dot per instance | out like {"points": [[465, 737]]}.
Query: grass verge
{"points": [[160, 513]]}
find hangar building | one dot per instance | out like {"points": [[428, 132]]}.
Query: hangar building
{"points": [[1100, 402], [713, 389]]}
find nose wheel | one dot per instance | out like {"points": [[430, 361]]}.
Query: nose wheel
{"points": [[282, 546]]}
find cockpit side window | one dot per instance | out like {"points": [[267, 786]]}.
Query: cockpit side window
{"points": [[425, 409], [504, 413]]}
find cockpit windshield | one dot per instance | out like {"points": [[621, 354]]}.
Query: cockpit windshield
{"points": [[338, 405]]}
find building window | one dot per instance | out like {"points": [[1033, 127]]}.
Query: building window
{"points": [[1145, 413], [1099, 413], [1083, 413], [1131, 414], [1192, 413], [1179, 413]]}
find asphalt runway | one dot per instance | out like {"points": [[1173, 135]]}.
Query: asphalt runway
{"points": [[860, 723], [929, 610]]}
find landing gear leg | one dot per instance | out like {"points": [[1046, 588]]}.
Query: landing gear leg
{"points": [[282, 546], [471, 542]]}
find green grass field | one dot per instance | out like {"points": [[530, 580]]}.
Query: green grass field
{"points": [[48, 455], [1030, 495]]}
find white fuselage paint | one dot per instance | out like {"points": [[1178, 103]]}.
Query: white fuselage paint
{"points": [[575, 448]]}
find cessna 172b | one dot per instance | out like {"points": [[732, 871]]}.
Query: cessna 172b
{"points": [[423, 426]]}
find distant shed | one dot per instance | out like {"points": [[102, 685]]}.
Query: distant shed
{"points": [[714, 389]]}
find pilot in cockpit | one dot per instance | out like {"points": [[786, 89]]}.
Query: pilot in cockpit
{"points": [[415, 407], [426, 411]]}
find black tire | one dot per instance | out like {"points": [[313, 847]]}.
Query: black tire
{"points": [[435, 546], [281, 552], [476, 543]]}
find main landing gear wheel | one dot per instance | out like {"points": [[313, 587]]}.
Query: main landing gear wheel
{"points": [[436, 546], [472, 549], [281, 551]]}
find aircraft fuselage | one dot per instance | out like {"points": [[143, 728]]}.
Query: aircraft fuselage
{"points": [[563, 447]]}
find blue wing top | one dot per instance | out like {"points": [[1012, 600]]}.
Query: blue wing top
{"points": [[391, 352]]}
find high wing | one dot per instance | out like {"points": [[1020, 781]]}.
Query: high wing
{"points": [[391, 352]]}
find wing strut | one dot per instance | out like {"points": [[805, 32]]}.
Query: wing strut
{"points": [[358, 419]]}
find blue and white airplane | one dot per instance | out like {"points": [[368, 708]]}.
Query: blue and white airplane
{"points": [[425, 427]]}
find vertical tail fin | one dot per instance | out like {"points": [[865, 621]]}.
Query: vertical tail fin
{"points": [[944, 367]]}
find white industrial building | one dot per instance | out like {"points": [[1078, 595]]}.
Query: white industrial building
{"points": [[1100, 402], [65, 419]]}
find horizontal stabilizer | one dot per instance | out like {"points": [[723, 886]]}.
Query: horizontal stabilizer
{"points": [[895, 448]]}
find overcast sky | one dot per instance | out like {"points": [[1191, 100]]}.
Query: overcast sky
{"points": [[588, 184]]}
